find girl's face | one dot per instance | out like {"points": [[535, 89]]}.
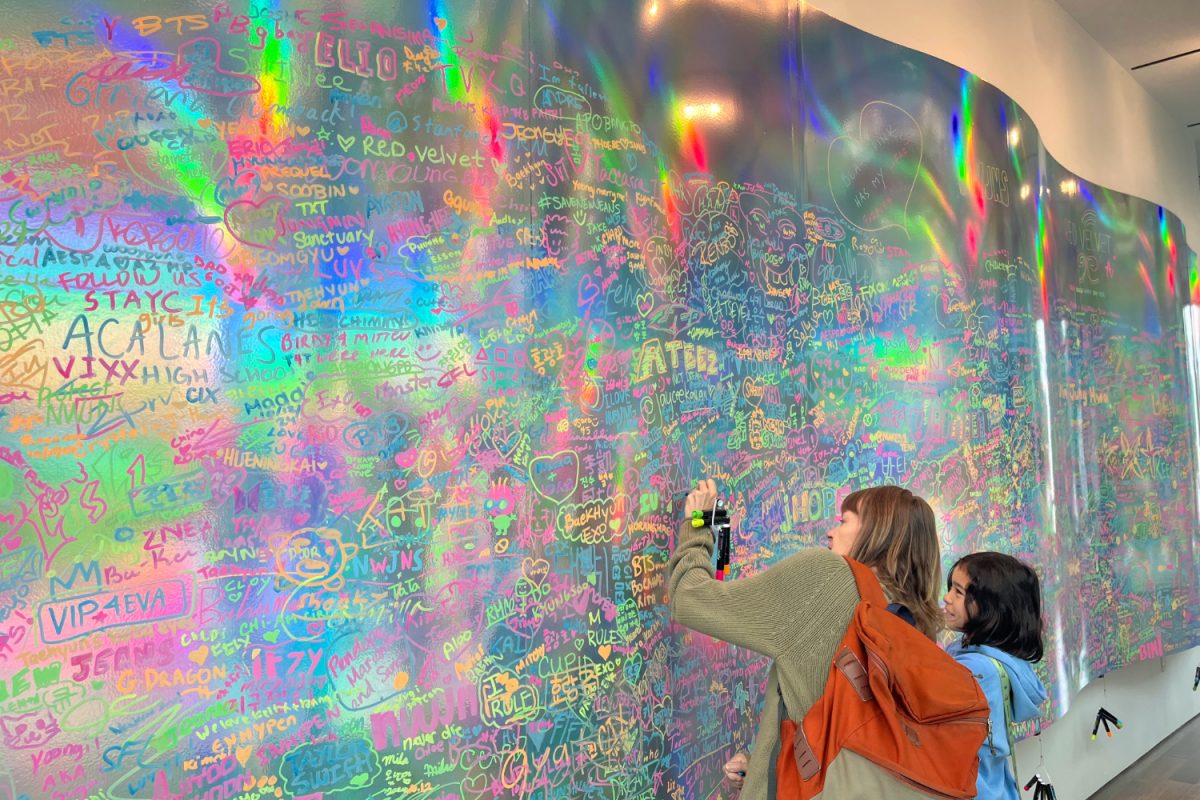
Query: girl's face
{"points": [[955, 602], [843, 537]]}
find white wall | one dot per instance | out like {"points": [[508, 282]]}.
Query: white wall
{"points": [[1097, 121]]}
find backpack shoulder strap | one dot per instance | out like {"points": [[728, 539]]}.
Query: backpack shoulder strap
{"points": [[903, 613], [1007, 695], [868, 585]]}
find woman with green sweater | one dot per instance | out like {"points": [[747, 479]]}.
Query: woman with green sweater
{"points": [[797, 611]]}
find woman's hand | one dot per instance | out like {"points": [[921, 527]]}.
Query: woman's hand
{"points": [[735, 769], [702, 498]]}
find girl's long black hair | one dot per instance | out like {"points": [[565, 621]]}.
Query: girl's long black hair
{"points": [[1004, 604]]}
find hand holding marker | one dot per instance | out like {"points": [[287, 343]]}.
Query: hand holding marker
{"points": [[721, 530], [704, 508], [715, 517]]}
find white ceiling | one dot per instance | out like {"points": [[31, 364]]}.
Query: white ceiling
{"points": [[1140, 32]]}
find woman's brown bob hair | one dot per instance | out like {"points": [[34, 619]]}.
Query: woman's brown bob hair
{"points": [[899, 540]]}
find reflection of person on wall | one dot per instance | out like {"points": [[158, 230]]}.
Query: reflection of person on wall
{"points": [[797, 611]]}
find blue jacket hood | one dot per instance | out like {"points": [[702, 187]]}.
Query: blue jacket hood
{"points": [[994, 781]]}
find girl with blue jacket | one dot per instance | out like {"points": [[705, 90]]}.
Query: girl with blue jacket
{"points": [[995, 601]]}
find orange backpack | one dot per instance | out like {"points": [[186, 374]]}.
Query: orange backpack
{"points": [[893, 697]]}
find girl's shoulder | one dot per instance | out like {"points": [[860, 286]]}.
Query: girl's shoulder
{"points": [[957, 649], [976, 657], [970, 657]]}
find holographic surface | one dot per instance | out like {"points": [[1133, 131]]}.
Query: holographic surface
{"points": [[353, 359]]}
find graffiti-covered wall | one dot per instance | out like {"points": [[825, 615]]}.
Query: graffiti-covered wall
{"points": [[353, 358]]}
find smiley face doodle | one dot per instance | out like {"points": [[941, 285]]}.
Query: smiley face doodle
{"points": [[314, 557]]}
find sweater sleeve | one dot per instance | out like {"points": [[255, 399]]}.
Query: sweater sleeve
{"points": [[766, 612]]}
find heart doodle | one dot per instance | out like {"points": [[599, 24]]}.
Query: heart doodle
{"points": [[535, 569], [752, 390], [506, 439], [662, 265], [555, 477], [872, 172], [255, 224]]}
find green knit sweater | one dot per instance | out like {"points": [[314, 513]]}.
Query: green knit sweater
{"points": [[796, 612]]}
